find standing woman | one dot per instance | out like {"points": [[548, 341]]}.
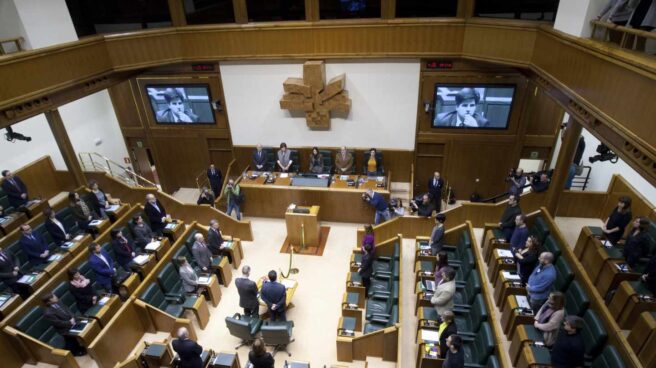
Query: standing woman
{"points": [[367, 267], [373, 164], [442, 262], [550, 317], [82, 290], [99, 200], [637, 242], [284, 158], [437, 235], [316, 161], [527, 258], [616, 223], [368, 237]]}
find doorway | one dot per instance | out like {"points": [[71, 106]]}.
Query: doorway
{"points": [[142, 160]]}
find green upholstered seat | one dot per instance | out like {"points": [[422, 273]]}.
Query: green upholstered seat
{"points": [[577, 300], [540, 229], [564, 274], [551, 245], [327, 157], [154, 296], [464, 296], [469, 322], [593, 333], [478, 350], [34, 324], [609, 358]]}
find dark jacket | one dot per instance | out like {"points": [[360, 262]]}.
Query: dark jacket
{"points": [[261, 361], [274, 293], [206, 199], [259, 160], [378, 201], [59, 317], [435, 190], [155, 216], [448, 331], [425, 210], [507, 219], [123, 251], [367, 265], [456, 360], [189, 352], [650, 271], [95, 203], [8, 262], [14, 192], [83, 296], [34, 246], [215, 178], [215, 240], [142, 235], [636, 247], [527, 265], [247, 290], [568, 351], [103, 272], [55, 231], [620, 220]]}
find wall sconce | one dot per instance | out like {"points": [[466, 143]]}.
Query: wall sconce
{"points": [[216, 105], [427, 107]]}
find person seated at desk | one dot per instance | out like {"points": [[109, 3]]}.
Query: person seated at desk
{"points": [[455, 356], [188, 350], [550, 317], [215, 240], [616, 223], [379, 203], [123, 249], [507, 221], [274, 294], [437, 234], [206, 197], [442, 299], [10, 273], [187, 275], [520, 234], [33, 246], [424, 208], [247, 290], [373, 164], [103, 267], [259, 159], [202, 254], [62, 320], [15, 189], [82, 290], [234, 198], [316, 161], [284, 158], [143, 235], [541, 185], [343, 162], [636, 245], [156, 214], [56, 228], [259, 357], [446, 329], [82, 212], [99, 200], [527, 258], [215, 178], [569, 349], [649, 275]]}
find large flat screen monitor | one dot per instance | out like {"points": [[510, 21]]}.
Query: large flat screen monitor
{"points": [[475, 106], [181, 104]]}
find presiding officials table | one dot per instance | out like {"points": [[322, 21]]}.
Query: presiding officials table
{"points": [[339, 196]]}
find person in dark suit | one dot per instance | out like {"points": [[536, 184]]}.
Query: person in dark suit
{"points": [[367, 267], [206, 197], [15, 189], [34, 246], [569, 349], [81, 210], [82, 289], [102, 265], [61, 319], [455, 356], [259, 357], [447, 328], [274, 295], [636, 245], [216, 179], [616, 223], [215, 240], [10, 273], [510, 213], [465, 114], [435, 186], [202, 253], [156, 214], [259, 159], [143, 235], [123, 249], [247, 293], [188, 350], [57, 230]]}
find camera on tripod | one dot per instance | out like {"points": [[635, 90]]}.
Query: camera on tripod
{"points": [[12, 136], [604, 154]]}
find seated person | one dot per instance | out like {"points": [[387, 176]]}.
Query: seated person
{"points": [[637, 242], [259, 160], [99, 200], [188, 275], [649, 275], [259, 357], [372, 164], [542, 184], [316, 161], [616, 223], [156, 213], [123, 249], [507, 220], [527, 258], [15, 189], [143, 235], [343, 162], [550, 317], [82, 212], [61, 319], [424, 208], [188, 350], [274, 294], [541, 281], [202, 253], [569, 348], [33, 246], [56, 228], [10, 273], [442, 300], [519, 235], [455, 356], [284, 158], [82, 289], [103, 267], [206, 197], [447, 328]]}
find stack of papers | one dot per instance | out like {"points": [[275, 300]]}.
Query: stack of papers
{"points": [[78, 238], [153, 246], [204, 280], [103, 300], [112, 208], [27, 279], [504, 253], [284, 175], [140, 259], [343, 177], [228, 244], [54, 257], [3, 219], [67, 245], [95, 223], [522, 301], [289, 284], [170, 226], [430, 335], [509, 276], [4, 298]]}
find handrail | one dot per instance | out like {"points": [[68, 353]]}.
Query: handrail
{"points": [[626, 31], [202, 180], [225, 181], [133, 176]]}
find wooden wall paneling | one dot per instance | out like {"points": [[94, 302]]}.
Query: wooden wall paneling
{"points": [[40, 178], [179, 160], [465, 9], [563, 164], [312, 10], [126, 105], [481, 43], [545, 115], [388, 9]]}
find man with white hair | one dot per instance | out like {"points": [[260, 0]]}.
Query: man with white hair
{"points": [[201, 252], [156, 214], [188, 350], [541, 281]]}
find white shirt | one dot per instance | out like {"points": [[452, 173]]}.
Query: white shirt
{"points": [[59, 225]]}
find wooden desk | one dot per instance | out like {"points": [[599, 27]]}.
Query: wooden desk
{"points": [[337, 182], [39, 279], [56, 265], [12, 222], [511, 317], [355, 313], [499, 263], [89, 333], [370, 182], [491, 246], [534, 357], [225, 360], [212, 289], [236, 252], [101, 226], [426, 360], [176, 232], [108, 310], [146, 268], [74, 248], [10, 305], [642, 338], [610, 276], [120, 211], [220, 266], [593, 258], [303, 229], [164, 246], [36, 208], [504, 288]]}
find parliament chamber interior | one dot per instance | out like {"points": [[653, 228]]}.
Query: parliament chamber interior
{"points": [[328, 183]]}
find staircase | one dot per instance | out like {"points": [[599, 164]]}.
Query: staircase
{"points": [[92, 161]]}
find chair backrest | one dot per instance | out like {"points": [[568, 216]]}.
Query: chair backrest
{"points": [[609, 358], [651, 238], [479, 312], [153, 295], [465, 239], [564, 274], [277, 333], [239, 328], [65, 296], [4, 202], [169, 279], [593, 333], [540, 229], [189, 241], [468, 263], [550, 245], [293, 155], [483, 345], [327, 157], [65, 215], [577, 300], [34, 324], [492, 362]]}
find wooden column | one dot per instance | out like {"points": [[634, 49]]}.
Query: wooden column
{"points": [[388, 9], [312, 10], [65, 147], [564, 162], [241, 13], [465, 9], [178, 16]]}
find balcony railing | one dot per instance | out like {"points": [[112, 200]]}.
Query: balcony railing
{"points": [[625, 37]]}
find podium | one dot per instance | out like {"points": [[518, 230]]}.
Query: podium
{"points": [[303, 224]]}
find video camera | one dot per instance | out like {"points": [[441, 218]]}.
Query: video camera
{"points": [[604, 154], [11, 136]]}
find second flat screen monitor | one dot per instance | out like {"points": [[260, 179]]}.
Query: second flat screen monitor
{"points": [[472, 106]]}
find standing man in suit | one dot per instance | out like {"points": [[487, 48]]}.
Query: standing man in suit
{"points": [[123, 249], [202, 253], [465, 114], [10, 273], [188, 350], [102, 265], [15, 189], [34, 246], [215, 240], [61, 318], [435, 186], [247, 293], [344, 162], [216, 179], [56, 228], [156, 213], [259, 160], [143, 235], [274, 294]]}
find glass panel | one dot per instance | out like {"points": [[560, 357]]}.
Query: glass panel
{"points": [[109, 16], [209, 11], [544, 10], [426, 8], [345, 9], [275, 10]]}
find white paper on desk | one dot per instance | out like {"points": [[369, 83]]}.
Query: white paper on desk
{"points": [[284, 175], [380, 178], [509, 276], [170, 226], [26, 279], [522, 301], [103, 300], [504, 253], [54, 257], [153, 245], [204, 280], [78, 238], [95, 223], [430, 335], [289, 283], [343, 177], [140, 259], [112, 208]]}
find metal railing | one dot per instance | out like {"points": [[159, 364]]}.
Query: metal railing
{"points": [[92, 161], [625, 37], [581, 181]]}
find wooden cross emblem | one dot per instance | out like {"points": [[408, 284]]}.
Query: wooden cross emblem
{"points": [[313, 96]]}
